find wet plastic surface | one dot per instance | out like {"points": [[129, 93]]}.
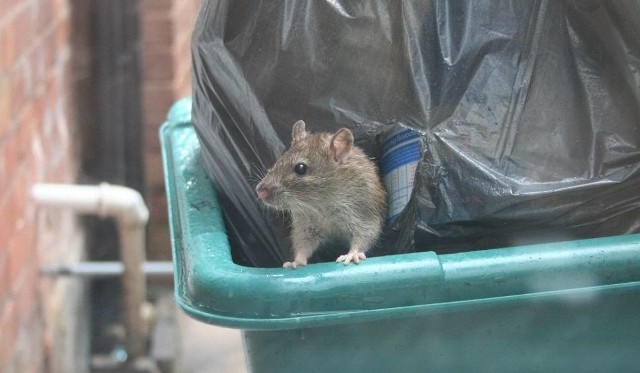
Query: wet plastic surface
{"points": [[528, 111], [568, 306]]}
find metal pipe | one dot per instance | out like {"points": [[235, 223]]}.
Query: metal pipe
{"points": [[106, 269], [127, 207]]}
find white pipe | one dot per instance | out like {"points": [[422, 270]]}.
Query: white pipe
{"points": [[128, 208], [104, 200], [106, 269]]}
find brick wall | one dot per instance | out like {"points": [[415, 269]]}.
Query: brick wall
{"points": [[167, 26], [44, 70], [36, 145]]}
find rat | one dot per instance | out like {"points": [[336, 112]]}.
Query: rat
{"points": [[330, 188]]}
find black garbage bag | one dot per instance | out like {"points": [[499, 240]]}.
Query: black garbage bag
{"points": [[526, 113]]}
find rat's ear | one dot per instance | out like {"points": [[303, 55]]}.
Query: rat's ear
{"points": [[341, 144], [298, 133]]}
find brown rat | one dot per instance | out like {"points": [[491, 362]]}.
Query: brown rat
{"points": [[330, 188]]}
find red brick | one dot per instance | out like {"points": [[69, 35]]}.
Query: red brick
{"points": [[158, 208], [158, 100], [181, 56], [182, 72], [5, 7], [47, 116], [21, 86], [23, 193], [166, 79], [51, 153], [154, 175], [62, 34], [44, 15], [39, 108], [157, 30], [157, 203], [182, 47], [25, 68], [158, 241], [6, 209], [9, 154], [49, 55], [21, 256], [21, 198], [38, 68], [28, 355], [4, 283], [22, 330], [155, 7], [61, 83], [5, 179], [158, 64], [151, 140], [5, 106], [9, 331], [182, 83], [34, 43], [62, 171], [47, 226], [26, 130], [158, 96], [9, 209], [61, 9], [27, 295], [185, 12], [24, 28], [7, 45]]}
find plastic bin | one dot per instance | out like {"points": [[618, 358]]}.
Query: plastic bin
{"points": [[561, 307]]}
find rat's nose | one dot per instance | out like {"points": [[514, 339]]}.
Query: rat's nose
{"points": [[264, 191]]}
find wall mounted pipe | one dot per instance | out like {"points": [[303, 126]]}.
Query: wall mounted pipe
{"points": [[106, 269], [127, 207]]}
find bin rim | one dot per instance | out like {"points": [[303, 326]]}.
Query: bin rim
{"points": [[210, 287]]}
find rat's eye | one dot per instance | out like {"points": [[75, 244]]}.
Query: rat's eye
{"points": [[300, 168]]}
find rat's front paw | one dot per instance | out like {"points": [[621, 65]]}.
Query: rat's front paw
{"points": [[293, 265], [351, 256]]}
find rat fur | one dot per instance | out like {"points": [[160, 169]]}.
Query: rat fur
{"points": [[331, 189]]}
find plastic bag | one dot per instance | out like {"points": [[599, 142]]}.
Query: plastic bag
{"points": [[528, 113]]}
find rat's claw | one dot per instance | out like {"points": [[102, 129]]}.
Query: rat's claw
{"points": [[355, 256], [293, 265]]}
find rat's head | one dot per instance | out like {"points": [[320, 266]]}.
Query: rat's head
{"points": [[305, 175]]}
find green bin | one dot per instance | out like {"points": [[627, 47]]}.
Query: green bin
{"points": [[570, 306]]}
